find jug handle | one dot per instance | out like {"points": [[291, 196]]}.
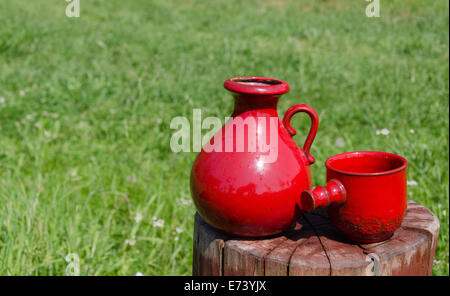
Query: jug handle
{"points": [[312, 132]]}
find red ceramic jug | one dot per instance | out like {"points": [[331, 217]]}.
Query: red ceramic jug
{"points": [[365, 194], [245, 187]]}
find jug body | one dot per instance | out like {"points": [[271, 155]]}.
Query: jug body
{"points": [[246, 181]]}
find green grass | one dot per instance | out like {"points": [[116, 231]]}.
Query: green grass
{"points": [[86, 105]]}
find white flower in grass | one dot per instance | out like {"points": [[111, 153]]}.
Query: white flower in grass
{"points": [[439, 205], [176, 238], [21, 93], [138, 217], [101, 44], [2, 100], [139, 273], [444, 212], [131, 241], [412, 183], [132, 178], [47, 134], [339, 142], [383, 131], [158, 223], [436, 262], [74, 173], [185, 202], [179, 230], [411, 131]]}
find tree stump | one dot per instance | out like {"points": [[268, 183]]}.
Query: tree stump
{"points": [[314, 247]]}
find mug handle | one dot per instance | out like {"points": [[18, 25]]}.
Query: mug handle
{"points": [[323, 196], [312, 132]]}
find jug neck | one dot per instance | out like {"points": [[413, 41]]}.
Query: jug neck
{"points": [[249, 103], [254, 93]]}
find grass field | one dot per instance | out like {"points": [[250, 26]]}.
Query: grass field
{"points": [[86, 104]]}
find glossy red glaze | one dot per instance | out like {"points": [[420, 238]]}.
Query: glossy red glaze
{"points": [[375, 185], [323, 196], [241, 193]]}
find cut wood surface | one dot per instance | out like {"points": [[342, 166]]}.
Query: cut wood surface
{"points": [[314, 247]]}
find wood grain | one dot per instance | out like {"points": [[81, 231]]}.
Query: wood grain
{"points": [[314, 247]]}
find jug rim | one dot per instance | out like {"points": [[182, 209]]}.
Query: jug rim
{"points": [[349, 155], [256, 85]]}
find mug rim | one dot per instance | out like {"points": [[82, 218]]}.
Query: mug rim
{"points": [[371, 153]]}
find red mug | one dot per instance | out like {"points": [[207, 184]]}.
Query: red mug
{"points": [[365, 194]]}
